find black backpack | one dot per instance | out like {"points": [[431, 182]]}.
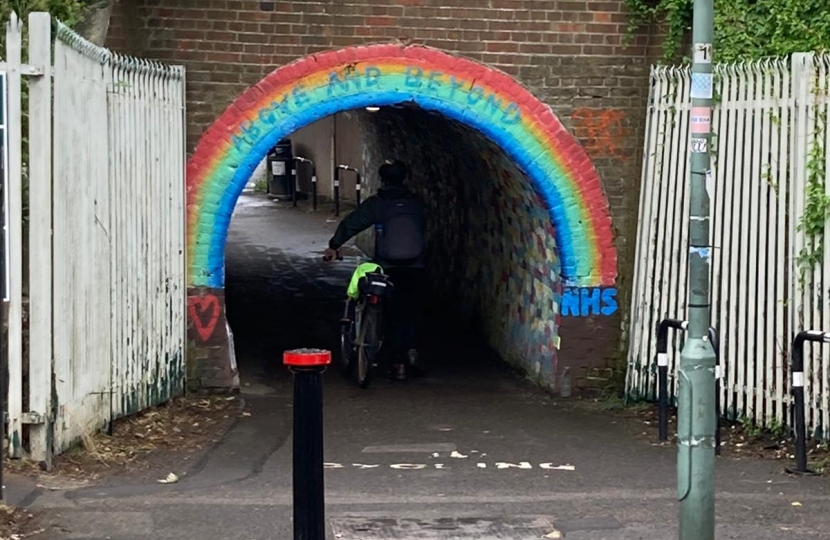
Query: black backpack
{"points": [[401, 236]]}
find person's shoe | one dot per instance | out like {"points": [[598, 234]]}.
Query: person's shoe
{"points": [[398, 372], [414, 363]]}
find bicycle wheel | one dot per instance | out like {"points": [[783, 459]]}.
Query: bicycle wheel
{"points": [[367, 348], [346, 348]]}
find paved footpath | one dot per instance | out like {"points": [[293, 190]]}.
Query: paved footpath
{"points": [[471, 452]]}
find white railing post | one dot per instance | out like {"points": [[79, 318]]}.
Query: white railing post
{"points": [[14, 44], [40, 235], [181, 240], [824, 293]]}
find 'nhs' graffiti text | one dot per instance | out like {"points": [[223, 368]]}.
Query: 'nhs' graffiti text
{"points": [[582, 302]]}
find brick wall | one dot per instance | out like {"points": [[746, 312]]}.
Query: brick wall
{"points": [[570, 54]]}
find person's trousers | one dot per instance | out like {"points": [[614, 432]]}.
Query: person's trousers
{"points": [[405, 310]]}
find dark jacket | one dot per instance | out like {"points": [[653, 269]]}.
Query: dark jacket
{"points": [[367, 215]]}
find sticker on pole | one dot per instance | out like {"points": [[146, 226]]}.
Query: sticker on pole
{"points": [[703, 53], [699, 146], [701, 120], [702, 85]]}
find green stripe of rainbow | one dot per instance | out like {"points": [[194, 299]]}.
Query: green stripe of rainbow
{"points": [[486, 99]]}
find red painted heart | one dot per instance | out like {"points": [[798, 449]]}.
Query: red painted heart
{"points": [[205, 314]]}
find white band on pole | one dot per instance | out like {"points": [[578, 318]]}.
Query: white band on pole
{"points": [[798, 379], [662, 359]]}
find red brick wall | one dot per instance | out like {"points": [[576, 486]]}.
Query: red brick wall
{"points": [[569, 53]]}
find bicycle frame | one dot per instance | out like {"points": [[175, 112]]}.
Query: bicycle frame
{"points": [[362, 305]]}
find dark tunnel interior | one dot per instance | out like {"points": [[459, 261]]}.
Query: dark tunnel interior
{"points": [[492, 261]]}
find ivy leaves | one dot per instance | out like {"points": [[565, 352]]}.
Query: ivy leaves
{"points": [[744, 29], [816, 204], [747, 30]]}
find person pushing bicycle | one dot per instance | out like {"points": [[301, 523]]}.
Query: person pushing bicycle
{"points": [[400, 240]]}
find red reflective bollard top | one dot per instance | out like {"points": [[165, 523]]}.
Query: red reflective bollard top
{"points": [[306, 358]]}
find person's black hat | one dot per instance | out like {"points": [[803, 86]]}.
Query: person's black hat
{"points": [[393, 172]]}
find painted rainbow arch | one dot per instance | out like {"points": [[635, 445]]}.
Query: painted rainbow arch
{"points": [[484, 98]]}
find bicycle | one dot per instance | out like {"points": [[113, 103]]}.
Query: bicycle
{"points": [[361, 333]]}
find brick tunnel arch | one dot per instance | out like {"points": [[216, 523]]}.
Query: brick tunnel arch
{"points": [[295, 95]]}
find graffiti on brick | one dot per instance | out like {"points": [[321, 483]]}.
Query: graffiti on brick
{"points": [[584, 302], [355, 79], [473, 94], [602, 131], [436, 82], [204, 311]]}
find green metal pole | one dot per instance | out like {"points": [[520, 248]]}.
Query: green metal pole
{"points": [[696, 421]]}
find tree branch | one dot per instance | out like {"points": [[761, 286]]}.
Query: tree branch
{"points": [[95, 21]]}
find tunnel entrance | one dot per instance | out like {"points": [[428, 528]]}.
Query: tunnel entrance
{"points": [[520, 230]]}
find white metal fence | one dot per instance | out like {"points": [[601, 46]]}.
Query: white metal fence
{"points": [[106, 238], [771, 260]]}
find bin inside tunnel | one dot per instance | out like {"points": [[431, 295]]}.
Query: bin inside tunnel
{"points": [[517, 253]]}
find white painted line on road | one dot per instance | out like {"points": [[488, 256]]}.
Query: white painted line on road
{"points": [[522, 465], [501, 465], [426, 448], [552, 467]]}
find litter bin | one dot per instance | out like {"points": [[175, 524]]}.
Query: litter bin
{"points": [[281, 172]]}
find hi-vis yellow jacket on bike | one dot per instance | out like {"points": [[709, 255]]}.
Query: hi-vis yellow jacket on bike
{"points": [[360, 271]]}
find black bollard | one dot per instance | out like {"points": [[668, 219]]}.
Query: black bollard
{"points": [[663, 374], [337, 191], [314, 187], [797, 370], [308, 366], [294, 182], [713, 337]]}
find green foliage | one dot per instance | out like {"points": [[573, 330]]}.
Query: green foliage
{"points": [[67, 11], [751, 30], [261, 185], [749, 428], [676, 15], [777, 429], [744, 29], [816, 204]]}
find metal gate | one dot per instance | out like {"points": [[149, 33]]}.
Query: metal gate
{"points": [[106, 292], [771, 260]]}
